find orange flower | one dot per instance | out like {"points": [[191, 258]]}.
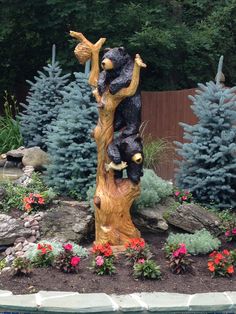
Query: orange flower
{"points": [[28, 207], [230, 269], [217, 261], [211, 267]]}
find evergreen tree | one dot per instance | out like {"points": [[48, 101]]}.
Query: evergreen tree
{"points": [[72, 151], [42, 103], [208, 165]]}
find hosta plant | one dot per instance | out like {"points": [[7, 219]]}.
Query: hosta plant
{"points": [[67, 261], [21, 266], [221, 264], [137, 249], [146, 269], [179, 261], [103, 260]]}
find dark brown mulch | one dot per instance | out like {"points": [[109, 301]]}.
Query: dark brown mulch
{"points": [[123, 282]]}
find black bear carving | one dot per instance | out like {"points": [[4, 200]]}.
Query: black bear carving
{"points": [[117, 73]]}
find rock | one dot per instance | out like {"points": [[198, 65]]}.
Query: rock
{"points": [[31, 239], [8, 251], [37, 234], [9, 259], [19, 254], [35, 157], [3, 193], [11, 229], [34, 223], [68, 223], [27, 224], [19, 240], [33, 232], [151, 219], [38, 218], [6, 270], [192, 217], [19, 247], [16, 153]]}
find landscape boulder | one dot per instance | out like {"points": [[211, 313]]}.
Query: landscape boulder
{"points": [[11, 229], [192, 217], [69, 221], [35, 157]]}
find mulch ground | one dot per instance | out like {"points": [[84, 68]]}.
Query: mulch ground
{"points": [[122, 282]]}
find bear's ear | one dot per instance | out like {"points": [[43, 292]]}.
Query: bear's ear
{"points": [[106, 50], [121, 49]]}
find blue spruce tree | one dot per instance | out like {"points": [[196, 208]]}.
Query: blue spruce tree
{"points": [[42, 103], [208, 165], [73, 153]]}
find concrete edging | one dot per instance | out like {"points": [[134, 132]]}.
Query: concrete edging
{"points": [[155, 302]]}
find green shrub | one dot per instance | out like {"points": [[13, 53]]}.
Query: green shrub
{"points": [[153, 190], [201, 242], [10, 136]]}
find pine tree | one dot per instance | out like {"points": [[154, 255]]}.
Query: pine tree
{"points": [[73, 152], [208, 165], [42, 103]]}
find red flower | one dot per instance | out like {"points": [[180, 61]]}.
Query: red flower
{"points": [[219, 256], [184, 198], [41, 201], [39, 247], [227, 233], [211, 266], [44, 251], [226, 252], [177, 193], [68, 247], [74, 261], [213, 254]]}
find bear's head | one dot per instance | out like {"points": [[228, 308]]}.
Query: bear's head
{"points": [[114, 58]]}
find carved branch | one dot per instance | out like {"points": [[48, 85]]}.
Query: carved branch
{"points": [[95, 49]]}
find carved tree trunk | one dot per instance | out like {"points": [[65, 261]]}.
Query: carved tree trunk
{"points": [[113, 198]]}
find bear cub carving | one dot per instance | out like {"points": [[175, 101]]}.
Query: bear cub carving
{"points": [[117, 74]]}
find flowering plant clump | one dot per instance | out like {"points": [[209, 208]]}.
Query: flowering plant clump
{"points": [[179, 260], [33, 202], [182, 196], [170, 248], [146, 269], [221, 263], [103, 262], [67, 261], [44, 256], [137, 249], [231, 234]]}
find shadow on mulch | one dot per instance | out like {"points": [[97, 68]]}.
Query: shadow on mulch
{"points": [[122, 282]]}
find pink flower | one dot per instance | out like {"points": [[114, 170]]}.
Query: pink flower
{"points": [[74, 261], [141, 261], [182, 249], [177, 193], [99, 260], [68, 247], [184, 198], [234, 231], [227, 233], [186, 192]]}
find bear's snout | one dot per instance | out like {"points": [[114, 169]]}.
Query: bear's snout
{"points": [[107, 64]]}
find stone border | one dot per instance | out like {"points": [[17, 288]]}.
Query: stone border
{"points": [[155, 302]]}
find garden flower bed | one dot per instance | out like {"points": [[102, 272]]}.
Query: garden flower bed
{"points": [[123, 282]]}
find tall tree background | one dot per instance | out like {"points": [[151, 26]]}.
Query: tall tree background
{"points": [[171, 35]]}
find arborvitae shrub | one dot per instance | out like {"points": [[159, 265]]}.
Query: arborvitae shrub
{"points": [[208, 165], [201, 242], [42, 104], [153, 189], [72, 151]]}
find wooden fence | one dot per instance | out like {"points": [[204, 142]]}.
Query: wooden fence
{"points": [[161, 113]]}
